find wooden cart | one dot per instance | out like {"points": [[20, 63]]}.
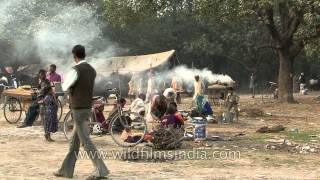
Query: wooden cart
{"points": [[18, 100]]}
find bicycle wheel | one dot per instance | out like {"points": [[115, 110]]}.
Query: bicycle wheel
{"points": [[60, 110], [267, 94], [68, 124], [128, 130], [12, 110]]}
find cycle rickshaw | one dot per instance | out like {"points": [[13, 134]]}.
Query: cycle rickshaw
{"points": [[17, 100]]}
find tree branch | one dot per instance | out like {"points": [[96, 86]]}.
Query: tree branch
{"points": [[284, 15], [296, 49], [271, 25], [249, 69], [295, 20]]}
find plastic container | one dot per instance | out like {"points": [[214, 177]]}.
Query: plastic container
{"points": [[200, 129]]}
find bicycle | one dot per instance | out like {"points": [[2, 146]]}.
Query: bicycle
{"points": [[271, 92], [122, 123]]}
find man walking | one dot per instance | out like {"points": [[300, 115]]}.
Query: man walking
{"points": [[198, 88], [80, 83], [252, 85]]}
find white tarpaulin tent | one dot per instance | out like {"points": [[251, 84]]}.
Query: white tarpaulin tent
{"points": [[127, 64]]}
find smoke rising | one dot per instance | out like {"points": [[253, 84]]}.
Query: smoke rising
{"points": [[47, 30], [186, 75]]}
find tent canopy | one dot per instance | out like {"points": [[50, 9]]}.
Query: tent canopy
{"points": [[126, 64]]}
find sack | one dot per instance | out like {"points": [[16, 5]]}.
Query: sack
{"points": [[207, 110]]}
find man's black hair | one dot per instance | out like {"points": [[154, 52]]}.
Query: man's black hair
{"points": [[53, 66], [197, 77], [122, 100], [46, 90], [142, 96], [173, 104], [79, 51], [172, 108], [42, 71]]}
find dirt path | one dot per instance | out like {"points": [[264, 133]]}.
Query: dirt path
{"points": [[25, 154]]}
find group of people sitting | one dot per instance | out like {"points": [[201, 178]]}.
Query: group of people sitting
{"points": [[161, 110], [164, 111]]}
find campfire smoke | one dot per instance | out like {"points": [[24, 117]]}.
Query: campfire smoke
{"points": [[47, 30], [186, 75]]}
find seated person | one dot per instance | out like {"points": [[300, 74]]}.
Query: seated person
{"points": [[3, 82], [99, 108], [138, 106], [157, 108], [34, 108], [170, 95], [203, 106], [3, 79], [172, 117], [156, 111]]}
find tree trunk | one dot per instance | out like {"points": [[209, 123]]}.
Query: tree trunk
{"points": [[285, 79]]}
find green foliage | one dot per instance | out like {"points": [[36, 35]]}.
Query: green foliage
{"points": [[305, 137], [226, 36]]}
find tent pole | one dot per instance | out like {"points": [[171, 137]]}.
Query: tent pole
{"points": [[177, 58], [119, 83]]}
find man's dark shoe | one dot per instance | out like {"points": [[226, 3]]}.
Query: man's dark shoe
{"points": [[22, 126], [92, 177], [57, 174]]}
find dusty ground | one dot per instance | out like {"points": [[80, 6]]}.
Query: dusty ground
{"points": [[25, 154]]}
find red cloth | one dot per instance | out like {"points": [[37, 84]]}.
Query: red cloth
{"points": [[101, 119], [172, 119]]}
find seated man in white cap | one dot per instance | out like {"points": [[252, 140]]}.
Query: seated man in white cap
{"points": [[170, 95]]}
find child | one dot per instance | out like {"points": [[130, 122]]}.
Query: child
{"points": [[50, 103], [172, 117]]}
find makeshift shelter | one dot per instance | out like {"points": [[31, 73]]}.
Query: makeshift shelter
{"points": [[115, 72], [127, 64]]}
